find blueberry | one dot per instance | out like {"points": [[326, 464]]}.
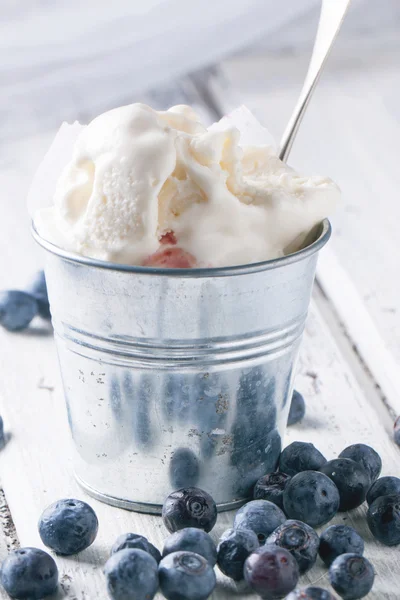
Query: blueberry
{"points": [[29, 573], [2, 436], [39, 291], [189, 507], [17, 310], [192, 539], [234, 547], [271, 572], [366, 456], [300, 540], [186, 576], [311, 497], [337, 540], [297, 409], [135, 541], [383, 487], [351, 479], [270, 487], [351, 576], [68, 526], [131, 573], [311, 593], [383, 518], [396, 431], [300, 456], [260, 516], [184, 468]]}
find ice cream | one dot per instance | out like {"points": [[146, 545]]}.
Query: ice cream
{"points": [[157, 188]]}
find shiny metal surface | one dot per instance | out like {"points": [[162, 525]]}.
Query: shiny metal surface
{"points": [[177, 378], [332, 16]]}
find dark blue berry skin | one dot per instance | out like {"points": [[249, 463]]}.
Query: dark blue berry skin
{"points": [[135, 541], [192, 539], [68, 526], [383, 487], [17, 310], [2, 436], [297, 409], [300, 540], [396, 431], [351, 576], [311, 593], [39, 291], [366, 456], [189, 507], [337, 540], [270, 487], [184, 469], [260, 516], [383, 519], [186, 576], [300, 456], [234, 547], [311, 497], [131, 573], [29, 573], [396, 434], [351, 479], [271, 572]]}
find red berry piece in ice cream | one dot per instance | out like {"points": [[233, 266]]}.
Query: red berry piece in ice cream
{"points": [[170, 258]]}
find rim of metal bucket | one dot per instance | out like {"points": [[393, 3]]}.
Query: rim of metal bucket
{"points": [[323, 236]]}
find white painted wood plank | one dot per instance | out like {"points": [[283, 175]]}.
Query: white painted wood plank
{"points": [[8, 535], [361, 328], [36, 470]]}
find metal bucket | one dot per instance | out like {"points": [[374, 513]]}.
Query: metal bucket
{"points": [[177, 377]]}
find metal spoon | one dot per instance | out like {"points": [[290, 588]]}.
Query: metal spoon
{"points": [[330, 22]]}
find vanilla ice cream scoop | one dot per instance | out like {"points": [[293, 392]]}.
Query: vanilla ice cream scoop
{"points": [[143, 183]]}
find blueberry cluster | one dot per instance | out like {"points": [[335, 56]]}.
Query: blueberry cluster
{"points": [[18, 308], [66, 527], [308, 491], [185, 570], [272, 542]]}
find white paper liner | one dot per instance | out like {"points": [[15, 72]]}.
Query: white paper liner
{"points": [[252, 133], [44, 182]]}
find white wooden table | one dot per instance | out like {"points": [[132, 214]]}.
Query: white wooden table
{"points": [[348, 368]]}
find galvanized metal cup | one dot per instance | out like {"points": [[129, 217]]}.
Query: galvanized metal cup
{"points": [[181, 377]]}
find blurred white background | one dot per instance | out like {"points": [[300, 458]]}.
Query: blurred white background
{"points": [[67, 60]]}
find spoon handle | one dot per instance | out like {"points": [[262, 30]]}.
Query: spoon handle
{"points": [[330, 22]]}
